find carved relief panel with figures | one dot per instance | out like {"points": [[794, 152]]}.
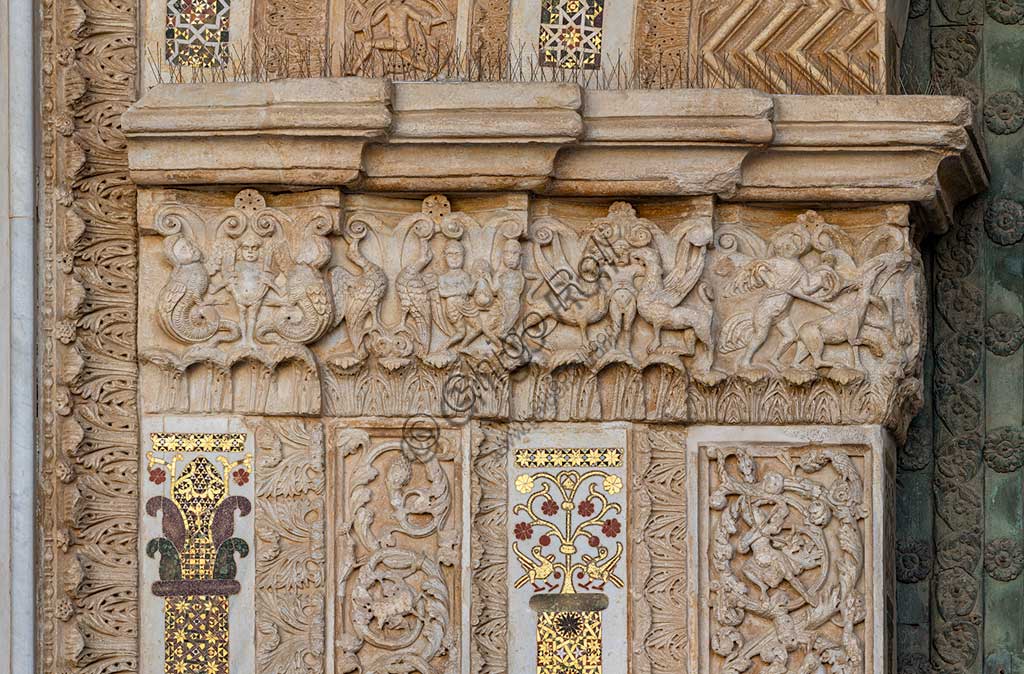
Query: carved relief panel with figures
{"points": [[472, 423], [527, 308], [793, 530]]}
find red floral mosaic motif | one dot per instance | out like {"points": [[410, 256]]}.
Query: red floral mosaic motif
{"points": [[523, 531], [240, 476]]}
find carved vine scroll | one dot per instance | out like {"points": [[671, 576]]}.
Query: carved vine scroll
{"points": [[397, 548], [791, 577]]}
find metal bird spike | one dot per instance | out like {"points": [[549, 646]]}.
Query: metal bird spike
{"points": [[262, 59]]}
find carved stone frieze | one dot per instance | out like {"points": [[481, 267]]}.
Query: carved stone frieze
{"points": [[398, 570], [245, 289], [560, 304], [741, 43], [821, 315], [503, 306]]}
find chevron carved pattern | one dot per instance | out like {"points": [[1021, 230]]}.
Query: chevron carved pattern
{"points": [[787, 46]]}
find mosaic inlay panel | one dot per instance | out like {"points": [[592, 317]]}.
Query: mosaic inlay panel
{"points": [[557, 457], [197, 491], [569, 641], [197, 33], [570, 33], [568, 547]]}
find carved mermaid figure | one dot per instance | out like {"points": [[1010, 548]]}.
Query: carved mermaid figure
{"points": [[184, 312], [309, 309]]}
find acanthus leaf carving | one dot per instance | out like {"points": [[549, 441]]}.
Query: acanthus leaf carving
{"points": [[291, 546]]}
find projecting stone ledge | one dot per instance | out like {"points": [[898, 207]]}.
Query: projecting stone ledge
{"points": [[559, 139]]}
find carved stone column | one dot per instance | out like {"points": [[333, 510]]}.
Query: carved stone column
{"points": [[538, 377]]}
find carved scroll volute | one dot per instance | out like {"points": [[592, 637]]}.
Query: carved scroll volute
{"points": [[397, 552]]}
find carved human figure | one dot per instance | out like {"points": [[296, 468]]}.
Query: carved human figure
{"points": [[249, 280], [785, 278], [455, 288], [849, 321], [510, 284], [622, 274], [402, 19], [767, 565]]}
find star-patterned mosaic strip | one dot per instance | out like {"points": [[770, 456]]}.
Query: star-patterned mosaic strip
{"points": [[196, 629], [197, 32], [569, 641], [571, 32], [589, 457], [198, 442]]}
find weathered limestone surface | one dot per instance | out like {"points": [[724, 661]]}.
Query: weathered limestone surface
{"points": [[387, 289], [533, 371], [559, 139]]}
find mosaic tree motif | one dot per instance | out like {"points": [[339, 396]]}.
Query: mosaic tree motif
{"points": [[571, 33], [571, 532], [197, 33], [197, 550], [786, 561]]}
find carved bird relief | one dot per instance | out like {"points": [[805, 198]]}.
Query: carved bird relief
{"points": [[357, 297]]}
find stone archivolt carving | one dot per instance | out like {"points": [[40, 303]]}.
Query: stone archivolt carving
{"points": [[88, 486], [786, 559], [544, 309], [397, 551]]}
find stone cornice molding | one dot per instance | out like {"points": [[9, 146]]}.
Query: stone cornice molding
{"points": [[559, 139], [285, 132]]}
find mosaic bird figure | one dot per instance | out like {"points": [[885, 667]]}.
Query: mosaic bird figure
{"points": [[538, 568], [601, 569]]}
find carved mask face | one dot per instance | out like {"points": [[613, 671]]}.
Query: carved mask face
{"points": [[453, 255], [511, 255]]}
